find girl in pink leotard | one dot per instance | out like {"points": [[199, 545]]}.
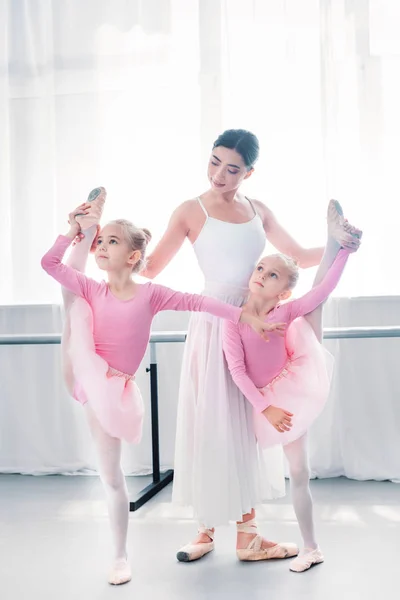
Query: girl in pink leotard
{"points": [[106, 349], [287, 381]]}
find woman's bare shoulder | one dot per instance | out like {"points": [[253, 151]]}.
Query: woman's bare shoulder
{"points": [[188, 209]]}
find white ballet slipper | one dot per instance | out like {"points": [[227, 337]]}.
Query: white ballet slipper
{"points": [[254, 550], [192, 552], [306, 559], [120, 573]]}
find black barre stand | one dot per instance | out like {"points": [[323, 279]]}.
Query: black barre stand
{"points": [[160, 480]]}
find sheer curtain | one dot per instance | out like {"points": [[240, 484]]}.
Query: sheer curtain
{"points": [[92, 93], [319, 82], [131, 95]]}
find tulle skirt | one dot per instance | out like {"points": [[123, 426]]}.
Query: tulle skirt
{"points": [[301, 388], [114, 396], [220, 471]]}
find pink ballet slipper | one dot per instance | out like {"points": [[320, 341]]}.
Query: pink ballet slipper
{"points": [[254, 550], [120, 573], [192, 552], [97, 198], [339, 229], [306, 559]]}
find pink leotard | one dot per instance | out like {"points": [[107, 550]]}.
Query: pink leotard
{"points": [[254, 363], [122, 327]]}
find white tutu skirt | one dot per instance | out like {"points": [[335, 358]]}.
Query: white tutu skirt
{"points": [[114, 396], [220, 471], [302, 387]]}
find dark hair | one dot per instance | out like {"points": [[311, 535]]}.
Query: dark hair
{"points": [[244, 142]]}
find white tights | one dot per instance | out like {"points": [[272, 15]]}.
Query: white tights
{"points": [[297, 456], [297, 452], [113, 480], [77, 260]]}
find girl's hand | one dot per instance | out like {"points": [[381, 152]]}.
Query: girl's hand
{"points": [[78, 238], [81, 236], [75, 228], [279, 418], [260, 326], [279, 328]]}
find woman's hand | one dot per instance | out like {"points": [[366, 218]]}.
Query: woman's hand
{"points": [[81, 236]]}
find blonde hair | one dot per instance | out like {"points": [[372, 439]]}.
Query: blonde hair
{"points": [[137, 239], [293, 268]]}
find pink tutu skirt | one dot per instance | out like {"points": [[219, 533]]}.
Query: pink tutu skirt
{"points": [[114, 396], [301, 388]]}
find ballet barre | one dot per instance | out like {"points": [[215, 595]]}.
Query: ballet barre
{"points": [[38, 339], [158, 337], [162, 479]]}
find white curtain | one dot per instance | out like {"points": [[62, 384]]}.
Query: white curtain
{"points": [[131, 95], [316, 81], [92, 93]]}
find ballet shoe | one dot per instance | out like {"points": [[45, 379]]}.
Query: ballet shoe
{"points": [[340, 229], [306, 559], [193, 551], [97, 198], [255, 552], [120, 572]]}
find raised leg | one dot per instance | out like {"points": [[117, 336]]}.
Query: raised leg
{"points": [[77, 260], [340, 234]]}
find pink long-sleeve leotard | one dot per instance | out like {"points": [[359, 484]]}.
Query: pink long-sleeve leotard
{"points": [[252, 362], [122, 327]]}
